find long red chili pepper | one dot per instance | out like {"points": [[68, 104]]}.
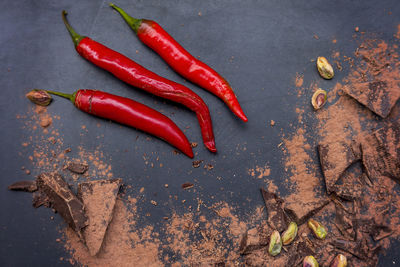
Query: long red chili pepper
{"points": [[128, 112], [134, 74], [154, 36]]}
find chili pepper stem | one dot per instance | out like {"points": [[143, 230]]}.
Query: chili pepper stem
{"points": [[132, 22], [71, 97], [76, 38]]}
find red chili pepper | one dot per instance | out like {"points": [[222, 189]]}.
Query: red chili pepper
{"points": [[128, 112], [154, 36], [134, 74]]}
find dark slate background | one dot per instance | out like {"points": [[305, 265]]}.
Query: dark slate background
{"points": [[269, 41]]}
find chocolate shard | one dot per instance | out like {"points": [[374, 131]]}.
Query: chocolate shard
{"points": [[381, 152], [335, 158], [40, 199], [308, 210], [27, 186], [63, 200], [99, 198], [77, 167], [297, 253], [254, 238], [277, 217], [351, 187], [378, 96]]}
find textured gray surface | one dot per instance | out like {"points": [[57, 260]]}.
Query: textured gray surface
{"points": [[258, 46]]}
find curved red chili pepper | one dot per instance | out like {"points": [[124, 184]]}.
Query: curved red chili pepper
{"points": [[128, 112], [134, 74], [154, 36]]}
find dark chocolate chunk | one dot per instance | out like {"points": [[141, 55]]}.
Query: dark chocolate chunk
{"points": [[77, 167], [40, 199], [99, 198], [27, 186], [378, 96], [277, 217], [63, 200], [335, 158], [297, 253], [350, 188], [381, 152], [308, 211], [254, 238]]}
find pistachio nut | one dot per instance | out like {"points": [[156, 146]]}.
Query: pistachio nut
{"points": [[339, 261], [290, 234], [310, 261], [317, 228], [275, 244], [324, 68], [39, 97], [318, 99]]}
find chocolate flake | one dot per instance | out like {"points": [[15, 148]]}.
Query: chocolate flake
{"points": [[26, 186], [77, 167], [40, 199], [63, 200], [378, 96], [277, 217], [99, 198], [187, 185], [196, 163]]}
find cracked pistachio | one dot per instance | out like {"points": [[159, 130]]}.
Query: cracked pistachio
{"points": [[339, 261], [317, 228], [310, 261], [275, 244], [39, 97], [319, 98], [290, 234], [324, 68]]}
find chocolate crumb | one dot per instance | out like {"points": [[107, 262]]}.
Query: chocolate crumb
{"points": [[77, 167], [187, 185], [196, 163]]}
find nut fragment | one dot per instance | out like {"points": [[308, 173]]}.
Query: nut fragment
{"points": [[324, 68], [275, 244], [39, 97], [317, 228], [339, 261], [310, 261], [290, 234], [318, 99]]}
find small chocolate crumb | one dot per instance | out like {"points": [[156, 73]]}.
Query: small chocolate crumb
{"points": [[193, 144], [196, 163], [187, 185], [272, 123], [77, 167]]}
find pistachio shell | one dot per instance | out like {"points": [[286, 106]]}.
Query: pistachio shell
{"points": [[319, 98], [324, 68], [275, 244], [317, 228], [290, 234], [339, 261], [310, 261]]}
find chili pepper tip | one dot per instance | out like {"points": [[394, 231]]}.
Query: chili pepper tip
{"points": [[76, 38], [134, 23]]}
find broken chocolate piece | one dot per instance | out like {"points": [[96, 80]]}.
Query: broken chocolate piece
{"points": [[308, 210], [63, 200], [350, 188], [335, 158], [253, 239], [297, 252], [378, 96], [99, 198], [77, 167], [381, 152], [40, 199], [277, 217], [27, 186]]}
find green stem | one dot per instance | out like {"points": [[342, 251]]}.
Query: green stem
{"points": [[132, 22], [71, 97], [76, 38]]}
